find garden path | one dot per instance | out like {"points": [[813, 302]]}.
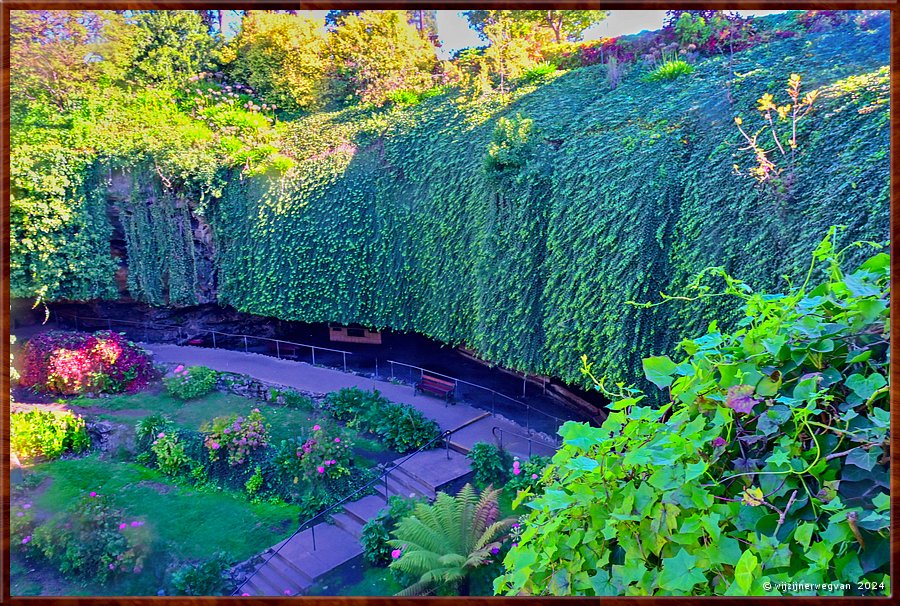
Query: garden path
{"points": [[301, 559]]}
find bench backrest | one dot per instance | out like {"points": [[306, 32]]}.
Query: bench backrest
{"points": [[427, 379]]}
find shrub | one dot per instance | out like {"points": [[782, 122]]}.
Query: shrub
{"points": [[236, 436], [74, 362], [21, 528], [208, 577], [401, 427], [529, 476], [376, 532], [149, 428], [192, 382], [539, 72], [255, 482], [171, 458], [47, 433], [671, 69], [91, 540], [767, 464], [293, 399], [323, 452], [491, 465]]}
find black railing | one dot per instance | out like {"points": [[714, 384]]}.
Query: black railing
{"points": [[196, 337], [499, 431], [383, 477], [534, 417]]}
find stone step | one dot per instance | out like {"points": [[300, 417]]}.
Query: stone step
{"points": [[366, 508], [402, 476], [334, 546], [349, 523], [261, 585], [287, 569], [396, 488]]}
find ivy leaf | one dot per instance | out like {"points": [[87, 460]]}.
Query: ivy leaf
{"points": [[679, 574], [752, 496], [659, 370], [743, 572], [803, 534], [778, 459], [740, 398], [601, 584], [865, 459], [864, 387]]}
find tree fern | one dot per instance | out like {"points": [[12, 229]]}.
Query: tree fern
{"points": [[444, 542]]}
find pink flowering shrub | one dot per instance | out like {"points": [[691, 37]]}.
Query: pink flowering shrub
{"points": [[76, 362], [192, 382], [324, 453], [93, 541], [235, 437]]}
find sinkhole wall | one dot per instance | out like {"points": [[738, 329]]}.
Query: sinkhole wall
{"points": [[528, 251]]}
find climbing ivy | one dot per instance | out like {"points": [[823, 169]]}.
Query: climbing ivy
{"points": [[523, 243]]}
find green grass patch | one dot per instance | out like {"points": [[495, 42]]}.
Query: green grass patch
{"points": [[196, 522]]}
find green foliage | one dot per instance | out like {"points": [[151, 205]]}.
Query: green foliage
{"points": [[401, 427], [530, 477], [283, 57], [538, 72], [91, 540], [293, 399], [191, 382], [394, 223], [150, 427], [255, 482], [491, 465], [205, 578], [670, 69], [46, 433], [235, 436], [442, 544], [376, 532], [376, 53], [767, 465], [170, 46], [171, 458]]}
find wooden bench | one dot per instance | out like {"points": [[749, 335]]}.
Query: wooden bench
{"points": [[438, 387]]}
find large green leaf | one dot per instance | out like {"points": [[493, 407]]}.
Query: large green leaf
{"points": [[659, 370]]}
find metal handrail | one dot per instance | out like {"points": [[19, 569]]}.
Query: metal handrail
{"points": [[457, 381], [531, 440], [445, 436], [110, 321]]}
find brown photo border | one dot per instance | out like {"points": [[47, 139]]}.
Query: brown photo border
{"points": [[7, 5]]}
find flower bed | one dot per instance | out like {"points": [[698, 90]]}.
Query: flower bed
{"points": [[69, 363]]}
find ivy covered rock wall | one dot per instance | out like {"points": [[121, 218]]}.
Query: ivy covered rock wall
{"points": [[522, 227]]}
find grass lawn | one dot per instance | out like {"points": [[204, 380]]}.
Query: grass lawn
{"points": [[192, 523]]}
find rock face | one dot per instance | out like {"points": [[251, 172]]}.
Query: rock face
{"points": [[107, 436]]}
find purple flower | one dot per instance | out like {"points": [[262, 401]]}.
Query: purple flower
{"points": [[123, 526], [316, 428], [534, 476], [287, 592], [720, 441], [19, 514], [495, 550], [112, 566], [336, 440], [516, 525], [26, 539], [515, 544], [396, 554], [161, 435], [93, 494], [740, 398], [26, 506], [320, 469]]}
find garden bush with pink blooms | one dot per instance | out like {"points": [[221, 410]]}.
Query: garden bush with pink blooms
{"points": [[91, 540], [192, 382], [324, 452], [235, 437], [67, 363]]}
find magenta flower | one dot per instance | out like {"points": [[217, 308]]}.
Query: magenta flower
{"points": [[336, 440], [215, 445], [316, 428], [534, 476], [93, 494], [135, 524], [161, 434], [245, 595], [123, 526], [516, 471], [112, 566], [26, 506], [720, 441], [320, 469], [179, 368], [396, 554], [26, 539]]}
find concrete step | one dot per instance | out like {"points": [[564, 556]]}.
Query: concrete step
{"points": [[366, 508], [394, 487], [402, 476], [348, 523], [261, 585], [434, 468]]}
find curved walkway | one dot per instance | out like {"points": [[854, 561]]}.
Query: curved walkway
{"points": [[299, 560]]}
